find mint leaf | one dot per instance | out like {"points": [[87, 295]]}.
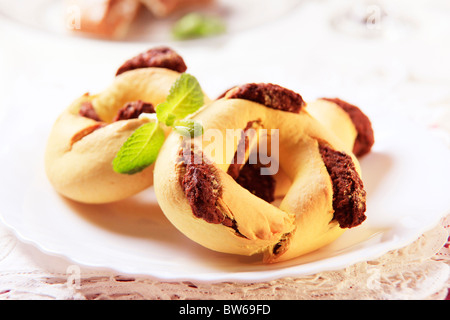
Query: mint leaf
{"points": [[196, 25], [188, 128], [185, 97], [142, 147], [140, 150]]}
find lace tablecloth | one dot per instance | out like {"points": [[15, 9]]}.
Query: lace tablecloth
{"points": [[413, 73]]}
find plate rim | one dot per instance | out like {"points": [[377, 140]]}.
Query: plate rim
{"points": [[377, 251], [324, 264]]}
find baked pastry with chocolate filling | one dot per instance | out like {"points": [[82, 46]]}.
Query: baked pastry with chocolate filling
{"points": [[86, 137], [228, 206]]}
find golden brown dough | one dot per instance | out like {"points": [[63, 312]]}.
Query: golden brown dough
{"points": [[81, 147], [210, 207], [347, 121]]}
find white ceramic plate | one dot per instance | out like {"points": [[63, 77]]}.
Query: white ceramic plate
{"points": [[407, 178]]}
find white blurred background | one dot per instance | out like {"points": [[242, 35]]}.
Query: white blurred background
{"points": [[380, 55]]}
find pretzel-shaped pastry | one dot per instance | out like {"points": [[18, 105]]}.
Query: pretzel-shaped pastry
{"points": [[226, 206], [88, 134]]}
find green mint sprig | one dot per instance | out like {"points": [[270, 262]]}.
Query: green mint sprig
{"points": [[197, 25], [142, 147], [185, 97]]}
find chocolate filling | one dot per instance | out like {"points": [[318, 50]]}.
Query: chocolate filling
{"points": [[281, 246], [365, 138], [202, 188], [132, 110], [262, 186], [88, 111], [349, 196], [242, 148], [271, 95], [162, 57], [249, 175]]}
